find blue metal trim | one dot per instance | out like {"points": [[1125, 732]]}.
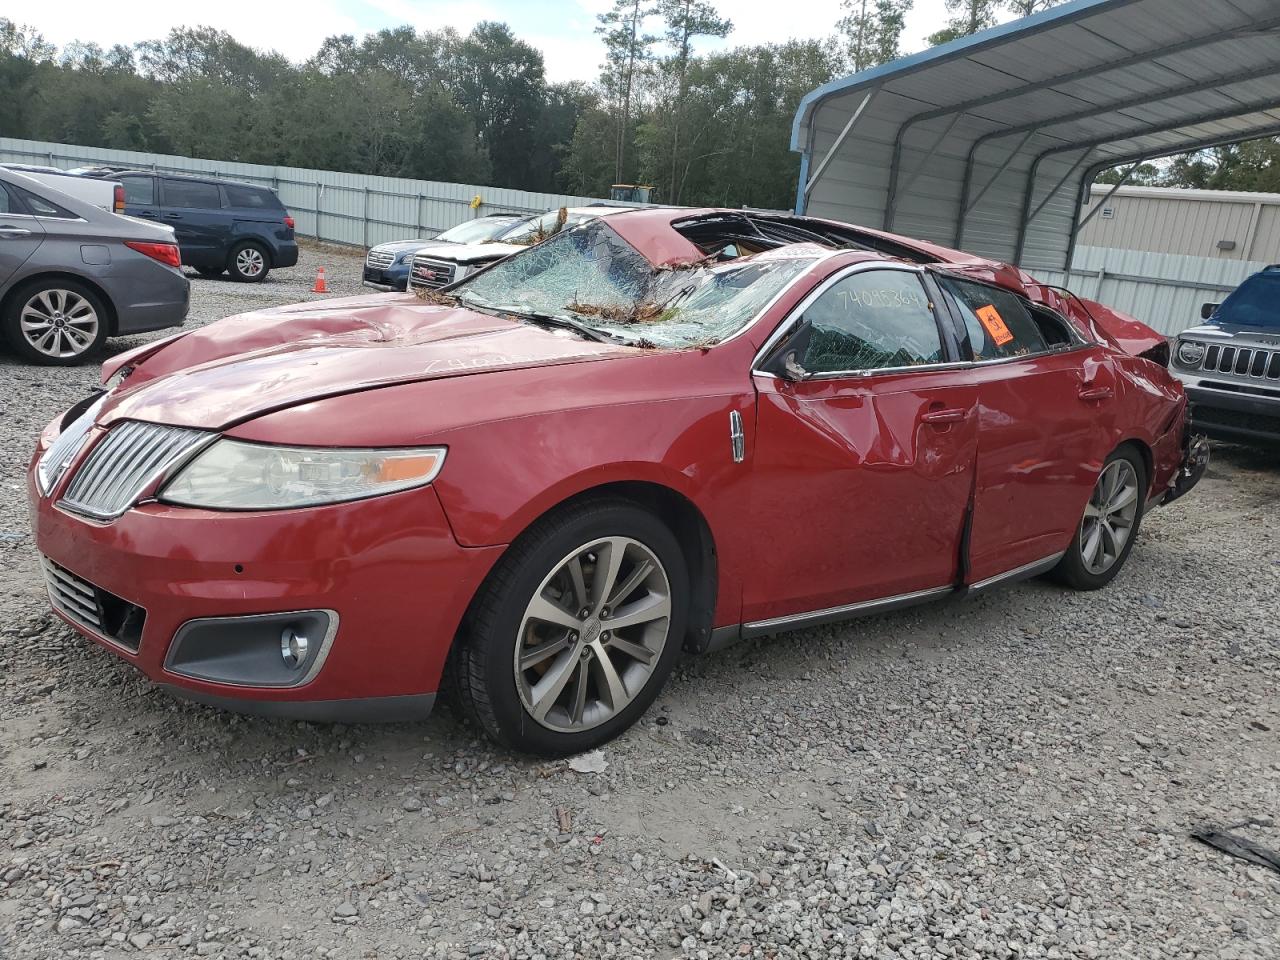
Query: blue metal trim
{"points": [[1064, 13], [801, 198]]}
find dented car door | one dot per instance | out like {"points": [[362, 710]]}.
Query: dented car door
{"points": [[865, 448]]}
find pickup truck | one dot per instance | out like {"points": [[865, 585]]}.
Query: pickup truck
{"points": [[104, 194]]}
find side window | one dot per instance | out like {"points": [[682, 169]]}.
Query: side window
{"points": [[6, 204], [139, 191], [41, 207], [192, 195], [254, 198], [872, 320], [998, 322]]}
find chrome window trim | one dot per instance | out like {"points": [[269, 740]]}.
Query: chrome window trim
{"points": [[793, 319], [28, 216]]}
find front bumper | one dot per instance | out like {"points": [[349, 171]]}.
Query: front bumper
{"points": [[394, 278], [389, 567], [1234, 416]]}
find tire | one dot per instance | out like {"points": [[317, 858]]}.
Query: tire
{"points": [[1088, 564], [55, 322], [210, 272], [560, 698], [249, 262]]}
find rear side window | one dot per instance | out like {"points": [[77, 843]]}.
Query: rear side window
{"points": [[998, 322], [255, 198], [6, 204], [192, 195], [45, 208], [139, 191]]}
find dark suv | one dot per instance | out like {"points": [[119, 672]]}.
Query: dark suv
{"points": [[1230, 365], [220, 224]]}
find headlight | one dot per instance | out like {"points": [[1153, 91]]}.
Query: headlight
{"points": [[1190, 353], [233, 475], [407, 255]]}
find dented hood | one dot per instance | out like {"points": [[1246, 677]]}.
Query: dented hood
{"points": [[254, 363]]}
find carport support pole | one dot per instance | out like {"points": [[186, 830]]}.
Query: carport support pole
{"points": [[838, 141], [967, 205], [319, 193], [891, 204], [1024, 221], [366, 218], [1109, 194]]}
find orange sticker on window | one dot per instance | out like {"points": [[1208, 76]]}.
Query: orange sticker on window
{"points": [[994, 324]]}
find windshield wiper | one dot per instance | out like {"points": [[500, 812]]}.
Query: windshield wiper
{"points": [[560, 322]]}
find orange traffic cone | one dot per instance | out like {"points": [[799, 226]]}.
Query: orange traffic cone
{"points": [[320, 284]]}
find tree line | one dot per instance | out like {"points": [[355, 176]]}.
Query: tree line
{"points": [[706, 127]]}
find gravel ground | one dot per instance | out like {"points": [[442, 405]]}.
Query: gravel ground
{"points": [[1013, 776]]}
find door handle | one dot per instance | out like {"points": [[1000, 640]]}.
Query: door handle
{"points": [[14, 232], [173, 216], [146, 213], [1092, 394], [945, 415]]}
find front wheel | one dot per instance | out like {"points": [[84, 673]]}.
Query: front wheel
{"points": [[575, 631], [1109, 526]]}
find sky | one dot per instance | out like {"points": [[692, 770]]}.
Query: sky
{"points": [[561, 29]]}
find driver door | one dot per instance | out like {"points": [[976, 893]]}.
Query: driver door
{"points": [[865, 447]]}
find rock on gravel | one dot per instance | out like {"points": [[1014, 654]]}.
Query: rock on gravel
{"points": [[1012, 777]]}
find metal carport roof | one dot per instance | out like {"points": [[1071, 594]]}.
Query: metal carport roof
{"points": [[988, 143]]}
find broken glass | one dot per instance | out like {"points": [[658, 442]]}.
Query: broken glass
{"points": [[594, 277]]}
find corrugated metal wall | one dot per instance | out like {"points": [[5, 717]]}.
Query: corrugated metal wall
{"points": [[347, 208], [1163, 290], [1186, 222]]}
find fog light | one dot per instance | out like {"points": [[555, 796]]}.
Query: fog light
{"points": [[293, 647]]}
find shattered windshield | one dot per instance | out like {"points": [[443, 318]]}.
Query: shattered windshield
{"points": [[593, 278]]}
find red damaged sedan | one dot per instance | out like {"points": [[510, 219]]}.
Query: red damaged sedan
{"points": [[652, 433]]}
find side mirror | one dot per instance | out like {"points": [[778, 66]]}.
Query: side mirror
{"points": [[1207, 310]]}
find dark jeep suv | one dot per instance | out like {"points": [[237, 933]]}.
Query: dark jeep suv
{"points": [[1230, 365], [220, 224]]}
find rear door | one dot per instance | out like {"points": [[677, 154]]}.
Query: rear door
{"points": [[864, 451], [1046, 422], [194, 209], [20, 233], [140, 195]]}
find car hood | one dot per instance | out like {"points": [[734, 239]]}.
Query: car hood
{"points": [[404, 246], [255, 363], [476, 252], [1234, 334]]}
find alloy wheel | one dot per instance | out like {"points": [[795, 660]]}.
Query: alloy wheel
{"points": [[592, 634], [59, 323], [249, 262], [1109, 517]]}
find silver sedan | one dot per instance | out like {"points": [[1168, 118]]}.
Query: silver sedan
{"points": [[72, 275]]}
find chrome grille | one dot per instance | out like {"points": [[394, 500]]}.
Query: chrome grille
{"points": [[429, 272], [64, 449], [72, 596], [124, 462], [1242, 362], [379, 259]]}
